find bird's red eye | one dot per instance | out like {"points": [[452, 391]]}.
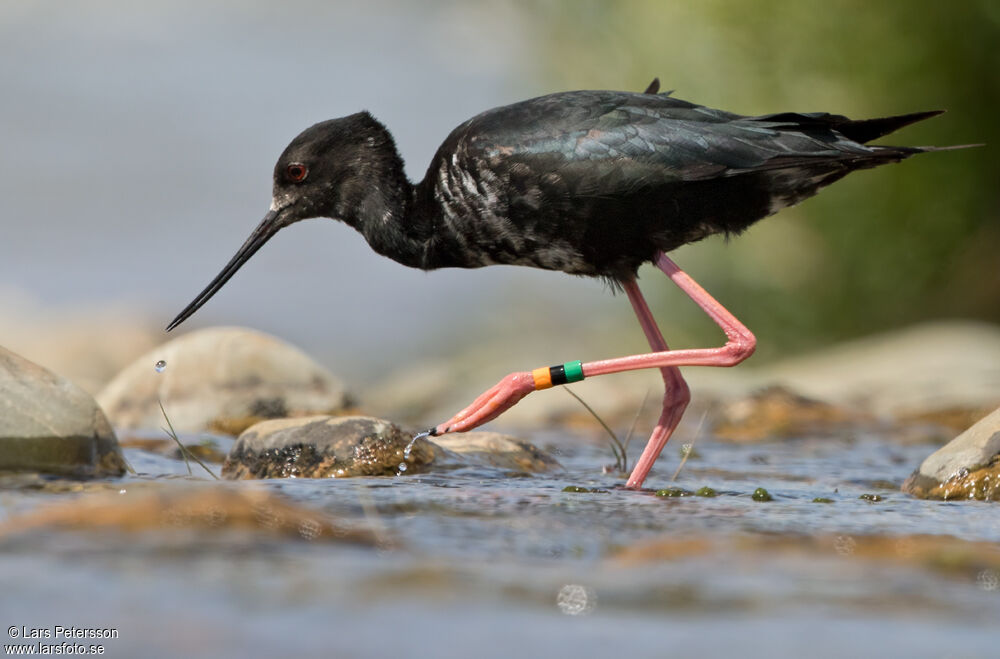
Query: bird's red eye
{"points": [[296, 172]]}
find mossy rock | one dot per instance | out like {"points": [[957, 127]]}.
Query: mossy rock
{"points": [[324, 447]]}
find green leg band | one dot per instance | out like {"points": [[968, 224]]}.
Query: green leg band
{"points": [[568, 372], [574, 371]]}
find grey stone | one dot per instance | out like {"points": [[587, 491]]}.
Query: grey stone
{"points": [[221, 379], [49, 425], [974, 448]]}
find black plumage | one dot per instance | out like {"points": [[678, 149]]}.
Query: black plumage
{"points": [[587, 182]]}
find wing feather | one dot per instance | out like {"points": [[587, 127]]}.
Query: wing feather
{"points": [[649, 139]]}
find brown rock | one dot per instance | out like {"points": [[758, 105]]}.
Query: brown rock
{"points": [[324, 447]]}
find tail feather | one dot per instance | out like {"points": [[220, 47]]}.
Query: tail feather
{"points": [[865, 130]]}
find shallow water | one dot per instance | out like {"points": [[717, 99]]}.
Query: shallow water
{"points": [[480, 562]]}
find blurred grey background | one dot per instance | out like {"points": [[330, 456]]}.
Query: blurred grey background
{"points": [[138, 141]]}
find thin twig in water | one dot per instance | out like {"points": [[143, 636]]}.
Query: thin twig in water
{"points": [[185, 452], [690, 447], [635, 422], [617, 448]]}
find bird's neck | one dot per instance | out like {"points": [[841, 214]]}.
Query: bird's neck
{"points": [[378, 200], [399, 220]]}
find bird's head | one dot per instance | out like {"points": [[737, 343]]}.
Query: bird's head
{"points": [[347, 169], [330, 169]]}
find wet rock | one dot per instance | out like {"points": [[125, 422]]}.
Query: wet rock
{"points": [[968, 467], [213, 509], [494, 449], [49, 425], [324, 447], [981, 484], [222, 380], [776, 412]]}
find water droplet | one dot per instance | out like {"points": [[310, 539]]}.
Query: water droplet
{"points": [[402, 466], [574, 599], [160, 365]]}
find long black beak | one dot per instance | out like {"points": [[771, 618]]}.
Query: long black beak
{"points": [[269, 226]]}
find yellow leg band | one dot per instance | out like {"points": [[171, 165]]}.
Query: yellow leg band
{"points": [[543, 378]]}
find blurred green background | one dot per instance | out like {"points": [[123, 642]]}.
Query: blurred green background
{"points": [[882, 248]]}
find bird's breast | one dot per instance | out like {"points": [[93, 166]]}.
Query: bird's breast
{"points": [[483, 216]]}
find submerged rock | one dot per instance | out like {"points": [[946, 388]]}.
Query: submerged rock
{"points": [[202, 509], [967, 467], [324, 447], [494, 449], [49, 425], [220, 379]]}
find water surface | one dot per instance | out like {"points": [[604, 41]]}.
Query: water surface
{"points": [[474, 560]]}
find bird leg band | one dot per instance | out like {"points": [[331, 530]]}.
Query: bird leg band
{"points": [[550, 376]]}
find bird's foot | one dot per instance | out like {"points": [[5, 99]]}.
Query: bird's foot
{"points": [[494, 402]]}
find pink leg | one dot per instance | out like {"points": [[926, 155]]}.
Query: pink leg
{"points": [[740, 344], [675, 397]]}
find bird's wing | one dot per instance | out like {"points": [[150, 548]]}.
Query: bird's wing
{"points": [[618, 142]]}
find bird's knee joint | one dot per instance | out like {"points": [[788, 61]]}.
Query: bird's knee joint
{"points": [[740, 346], [677, 396]]}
